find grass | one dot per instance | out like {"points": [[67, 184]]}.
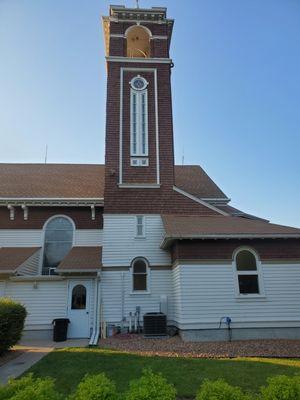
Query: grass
{"points": [[68, 366]]}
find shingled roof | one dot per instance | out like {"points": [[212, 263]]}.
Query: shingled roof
{"points": [[86, 259], [11, 258], [86, 181], [219, 227]]}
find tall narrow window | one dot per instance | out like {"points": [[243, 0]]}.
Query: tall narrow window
{"points": [[139, 117], [247, 273], [139, 275], [57, 243], [140, 226]]}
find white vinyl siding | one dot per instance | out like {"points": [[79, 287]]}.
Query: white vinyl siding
{"points": [[207, 293], [120, 245], [32, 265], [21, 238], [45, 302], [88, 237], [113, 292], [34, 237]]}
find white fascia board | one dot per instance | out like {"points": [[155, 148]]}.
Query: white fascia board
{"points": [[80, 271], [204, 203], [221, 200], [139, 60], [37, 278]]}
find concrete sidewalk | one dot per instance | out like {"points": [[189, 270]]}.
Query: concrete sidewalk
{"points": [[34, 350]]}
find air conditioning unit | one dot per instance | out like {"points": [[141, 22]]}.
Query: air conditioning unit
{"points": [[155, 324]]}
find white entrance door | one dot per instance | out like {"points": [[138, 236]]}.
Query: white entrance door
{"points": [[79, 309]]}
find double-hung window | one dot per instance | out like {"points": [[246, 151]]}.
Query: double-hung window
{"points": [[247, 273], [140, 226], [139, 275]]}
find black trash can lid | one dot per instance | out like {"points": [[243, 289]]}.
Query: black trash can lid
{"points": [[65, 320]]}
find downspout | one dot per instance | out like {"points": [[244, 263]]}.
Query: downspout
{"points": [[96, 326]]}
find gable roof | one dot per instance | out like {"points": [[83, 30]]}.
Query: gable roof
{"points": [[85, 181], [86, 259], [11, 258], [219, 227], [195, 181]]}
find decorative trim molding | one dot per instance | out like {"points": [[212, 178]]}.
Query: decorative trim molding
{"points": [[138, 186], [136, 69], [139, 60], [45, 202]]}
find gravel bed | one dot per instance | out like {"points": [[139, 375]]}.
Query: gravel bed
{"points": [[174, 347]]}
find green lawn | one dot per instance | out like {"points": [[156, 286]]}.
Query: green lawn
{"points": [[68, 366]]}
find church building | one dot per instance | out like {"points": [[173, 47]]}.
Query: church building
{"points": [[103, 245]]}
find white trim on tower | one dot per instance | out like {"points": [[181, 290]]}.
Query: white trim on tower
{"points": [[154, 71]]}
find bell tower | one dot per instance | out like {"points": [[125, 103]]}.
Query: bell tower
{"points": [[139, 154]]}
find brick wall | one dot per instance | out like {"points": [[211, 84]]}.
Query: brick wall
{"points": [[267, 249], [37, 217]]}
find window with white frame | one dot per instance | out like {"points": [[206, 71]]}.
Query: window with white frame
{"points": [[139, 275], [140, 226], [138, 117], [58, 241], [247, 272]]}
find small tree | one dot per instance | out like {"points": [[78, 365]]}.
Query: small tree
{"points": [[12, 318], [151, 387], [282, 387], [220, 390], [28, 388], [96, 387]]}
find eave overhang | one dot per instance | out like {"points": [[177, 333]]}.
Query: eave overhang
{"points": [[53, 202], [169, 240]]}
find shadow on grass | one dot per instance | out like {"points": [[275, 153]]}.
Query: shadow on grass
{"points": [[68, 367]]}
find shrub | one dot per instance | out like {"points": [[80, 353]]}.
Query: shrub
{"points": [[151, 387], [12, 317], [220, 390], [97, 387], [29, 388], [282, 387]]}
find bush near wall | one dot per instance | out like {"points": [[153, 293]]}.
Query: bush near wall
{"points": [[12, 317]]}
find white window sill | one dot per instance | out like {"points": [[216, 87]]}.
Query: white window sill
{"points": [[140, 293], [250, 297]]}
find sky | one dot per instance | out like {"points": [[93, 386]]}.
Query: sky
{"points": [[236, 91]]}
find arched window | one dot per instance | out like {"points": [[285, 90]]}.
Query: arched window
{"points": [[139, 275], [58, 241], [139, 118], [247, 271], [138, 41], [79, 297]]}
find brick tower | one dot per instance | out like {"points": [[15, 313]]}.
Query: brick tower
{"points": [[139, 157], [139, 134]]}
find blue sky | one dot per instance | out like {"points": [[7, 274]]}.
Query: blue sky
{"points": [[236, 91]]}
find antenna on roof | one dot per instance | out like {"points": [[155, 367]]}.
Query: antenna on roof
{"points": [[183, 155], [46, 154]]}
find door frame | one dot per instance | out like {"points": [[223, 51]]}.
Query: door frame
{"points": [[79, 281]]}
